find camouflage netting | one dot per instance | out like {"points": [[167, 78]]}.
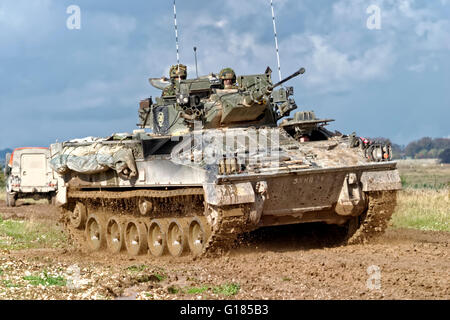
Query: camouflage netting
{"points": [[95, 158]]}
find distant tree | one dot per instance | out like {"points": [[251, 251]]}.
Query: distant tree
{"points": [[427, 147], [422, 154], [2, 180], [426, 143], [441, 143], [444, 156], [412, 149], [3, 155], [433, 153], [415, 147]]}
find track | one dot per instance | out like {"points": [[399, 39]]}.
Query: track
{"points": [[375, 221], [228, 225], [177, 222]]}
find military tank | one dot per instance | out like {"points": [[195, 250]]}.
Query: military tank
{"points": [[221, 158]]}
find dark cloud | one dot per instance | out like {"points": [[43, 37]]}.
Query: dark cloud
{"points": [[57, 83]]}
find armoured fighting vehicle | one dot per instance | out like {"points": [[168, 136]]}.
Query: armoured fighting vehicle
{"points": [[219, 161]]}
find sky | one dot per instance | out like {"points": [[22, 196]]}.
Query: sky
{"points": [[378, 75]]}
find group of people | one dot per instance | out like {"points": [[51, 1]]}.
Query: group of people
{"points": [[227, 76]]}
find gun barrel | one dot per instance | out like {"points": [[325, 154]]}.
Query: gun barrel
{"points": [[298, 72]]}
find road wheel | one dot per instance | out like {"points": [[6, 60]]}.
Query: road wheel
{"points": [[114, 235], [157, 241], [177, 238], [78, 216], [95, 232], [136, 237], [198, 235]]}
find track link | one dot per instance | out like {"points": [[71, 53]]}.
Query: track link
{"points": [[375, 221], [227, 228]]}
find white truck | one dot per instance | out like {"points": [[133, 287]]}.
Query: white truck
{"points": [[28, 175]]}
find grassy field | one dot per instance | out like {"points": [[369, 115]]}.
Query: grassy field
{"points": [[417, 174], [424, 209], [424, 202], [26, 234]]}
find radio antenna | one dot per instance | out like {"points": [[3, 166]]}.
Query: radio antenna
{"points": [[195, 54], [176, 37], [276, 40]]}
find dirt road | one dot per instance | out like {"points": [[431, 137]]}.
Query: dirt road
{"points": [[284, 263]]}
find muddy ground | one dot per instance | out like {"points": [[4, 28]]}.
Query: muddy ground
{"points": [[290, 262]]}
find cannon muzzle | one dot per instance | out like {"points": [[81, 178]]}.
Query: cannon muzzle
{"points": [[298, 72]]}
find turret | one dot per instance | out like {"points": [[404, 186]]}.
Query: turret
{"points": [[204, 103]]}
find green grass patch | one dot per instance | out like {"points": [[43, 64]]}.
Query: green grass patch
{"points": [[196, 290], [46, 280], [423, 209], [157, 276], [150, 278], [173, 290], [160, 277], [228, 289], [137, 268], [10, 284], [15, 235]]}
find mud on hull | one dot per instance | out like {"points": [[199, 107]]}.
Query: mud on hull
{"points": [[331, 196], [199, 221]]}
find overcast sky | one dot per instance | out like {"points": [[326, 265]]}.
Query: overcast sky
{"points": [[57, 83]]}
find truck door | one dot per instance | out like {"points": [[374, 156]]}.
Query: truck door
{"points": [[33, 170]]}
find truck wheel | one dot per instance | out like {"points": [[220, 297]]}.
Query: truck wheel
{"points": [[11, 199], [7, 198], [51, 199]]}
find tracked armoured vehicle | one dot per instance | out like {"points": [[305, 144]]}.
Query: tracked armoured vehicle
{"points": [[217, 164]]}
